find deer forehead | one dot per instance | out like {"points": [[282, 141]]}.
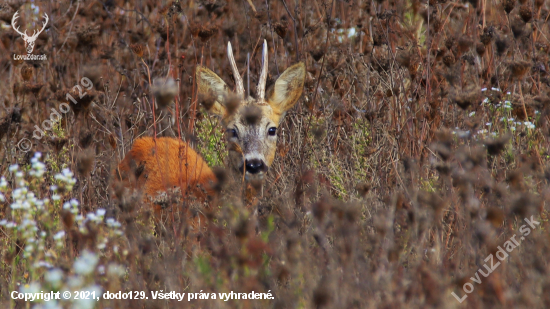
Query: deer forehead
{"points": [[266, 113]]}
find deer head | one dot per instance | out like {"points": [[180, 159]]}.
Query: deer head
{"points": [[29, 40], [251, 127]]}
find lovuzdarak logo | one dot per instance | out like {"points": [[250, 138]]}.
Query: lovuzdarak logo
{"points": [[29, 40]]}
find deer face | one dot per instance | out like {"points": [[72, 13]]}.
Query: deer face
{"points": [[29, 45], [251, 126]]}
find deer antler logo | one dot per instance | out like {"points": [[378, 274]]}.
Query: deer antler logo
{"points": [[29, 40]]}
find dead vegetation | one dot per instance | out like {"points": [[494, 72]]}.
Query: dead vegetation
{"points": [[419, 146]]}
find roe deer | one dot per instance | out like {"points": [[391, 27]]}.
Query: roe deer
{"points": [[251, 130]]}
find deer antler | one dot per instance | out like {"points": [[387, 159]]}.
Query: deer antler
{"points": [[238, 78], [43, 27], [34, 35], [16, 16], [263, 73]]}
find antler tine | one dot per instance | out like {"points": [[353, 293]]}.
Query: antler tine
{"points": [[46, 22], [43, 26], [15, 16], [263, 74], [238, 78]]}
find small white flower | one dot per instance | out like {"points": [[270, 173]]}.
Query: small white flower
{"points": [[101, 212], [54, 276], [495, 89], [31, 288], [112, 223], [86, 263], [483, 89], [13, 168], [43, 264], [115, 270], [91, 216], [17, 193], [75, 282], [26, 205], [59, 235], [488, 124], [471, 114]]}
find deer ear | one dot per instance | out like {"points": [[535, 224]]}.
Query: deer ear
{"points": [[288, 88], [211, 86]]}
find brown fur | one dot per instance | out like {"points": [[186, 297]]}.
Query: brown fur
{"points": [[169, 164]]}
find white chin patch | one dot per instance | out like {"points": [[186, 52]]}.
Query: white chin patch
{"points": [[252, 177]]}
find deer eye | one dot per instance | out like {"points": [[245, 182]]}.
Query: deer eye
{"points": [[232, 133], [272, 131]]}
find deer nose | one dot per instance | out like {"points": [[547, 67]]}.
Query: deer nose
{"points": [[254, 166]]}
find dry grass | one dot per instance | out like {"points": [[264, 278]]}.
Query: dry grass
{"points": [[420, 144]]}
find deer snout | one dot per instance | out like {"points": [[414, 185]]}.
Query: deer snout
{"points": [[255, 166]]}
